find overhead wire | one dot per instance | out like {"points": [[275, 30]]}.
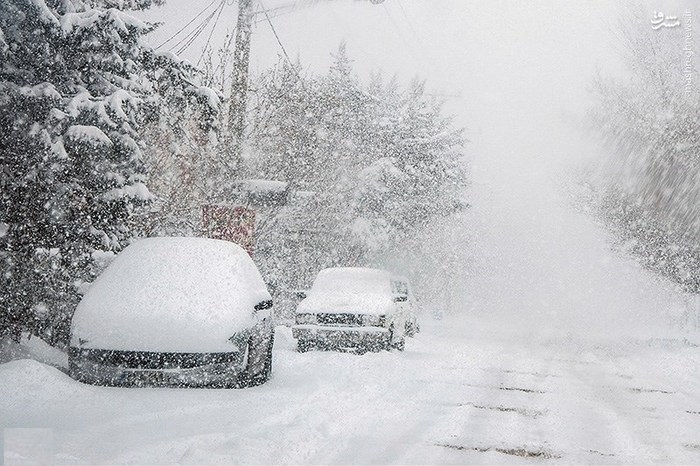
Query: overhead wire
{"points": [[279, 41], [222, 62], [192, 36], [277, 9], [400, 33], [211, 32], [414, 31], [188, 23]]}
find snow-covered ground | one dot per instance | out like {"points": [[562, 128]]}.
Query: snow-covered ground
{"points": [[462, 392]]}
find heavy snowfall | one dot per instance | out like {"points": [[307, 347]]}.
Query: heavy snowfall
{"points": [[349, 232]]}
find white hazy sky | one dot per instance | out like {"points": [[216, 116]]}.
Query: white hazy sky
{"points": [[499, 56], [516, 64]]}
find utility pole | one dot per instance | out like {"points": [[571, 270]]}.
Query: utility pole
{"points": [[239, 84]]}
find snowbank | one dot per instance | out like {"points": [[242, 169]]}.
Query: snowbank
{"points": [[172, 295], [29, 381], [32, 348]]}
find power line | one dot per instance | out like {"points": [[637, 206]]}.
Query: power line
{"points": [[408, 20], [192, 36], [185, 26], [224, 58], [191, 33], [400, 33], [284, 51], [216, 21], [189, 38], [283, 8]]}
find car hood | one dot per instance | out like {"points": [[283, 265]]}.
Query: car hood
{"points": [[339, 303]]}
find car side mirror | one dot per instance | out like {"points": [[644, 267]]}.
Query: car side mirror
{"points": [[400, 298], [262, 305], [301, 294]]}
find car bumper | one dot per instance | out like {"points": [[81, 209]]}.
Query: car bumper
{"points": [[326, 337], [85, 367]]}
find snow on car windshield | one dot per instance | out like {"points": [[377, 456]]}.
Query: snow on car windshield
{"points": [[170, 294], [348, 280]]}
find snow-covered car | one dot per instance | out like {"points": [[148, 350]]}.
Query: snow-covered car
{"points": [[359, 308], [177, 312]]}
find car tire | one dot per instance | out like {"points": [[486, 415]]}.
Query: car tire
{"points": [[264, 375], [303, 345], [397, 345], [410, 329], [249, 379]]}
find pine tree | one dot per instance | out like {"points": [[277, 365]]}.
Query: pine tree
{"points": [[77, 84]]}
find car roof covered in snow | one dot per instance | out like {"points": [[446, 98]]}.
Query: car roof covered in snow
{"points": [[349, 289], [170, 295], [360, 279]]}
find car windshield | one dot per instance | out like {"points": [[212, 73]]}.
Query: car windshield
{"points": [[351, 281]]}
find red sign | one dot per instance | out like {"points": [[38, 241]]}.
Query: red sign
{"points": [[235, 224]]}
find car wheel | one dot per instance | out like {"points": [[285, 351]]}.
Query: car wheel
{"points": [[248, 378], [395, 344], [399, 345], [264, 375], [303, 345]]}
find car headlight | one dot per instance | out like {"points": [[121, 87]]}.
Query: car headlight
{"points": [[369, 320], [306, 319]]}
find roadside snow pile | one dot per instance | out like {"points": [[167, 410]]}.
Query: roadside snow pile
{"points": [[26, 382], [170, 294], [32, 348]]}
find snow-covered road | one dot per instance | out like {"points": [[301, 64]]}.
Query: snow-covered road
{"points": [[462, 392]]}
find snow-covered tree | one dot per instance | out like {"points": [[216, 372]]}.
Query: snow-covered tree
{"points": [[184, 168], [651, 124], [374, 164], [77, 85], [417, 172]]}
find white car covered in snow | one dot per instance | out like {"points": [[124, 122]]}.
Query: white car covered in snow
{"points": [[175, 312], [359, 308]]}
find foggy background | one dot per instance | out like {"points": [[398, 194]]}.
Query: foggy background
{"points": [[516, 75]]}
